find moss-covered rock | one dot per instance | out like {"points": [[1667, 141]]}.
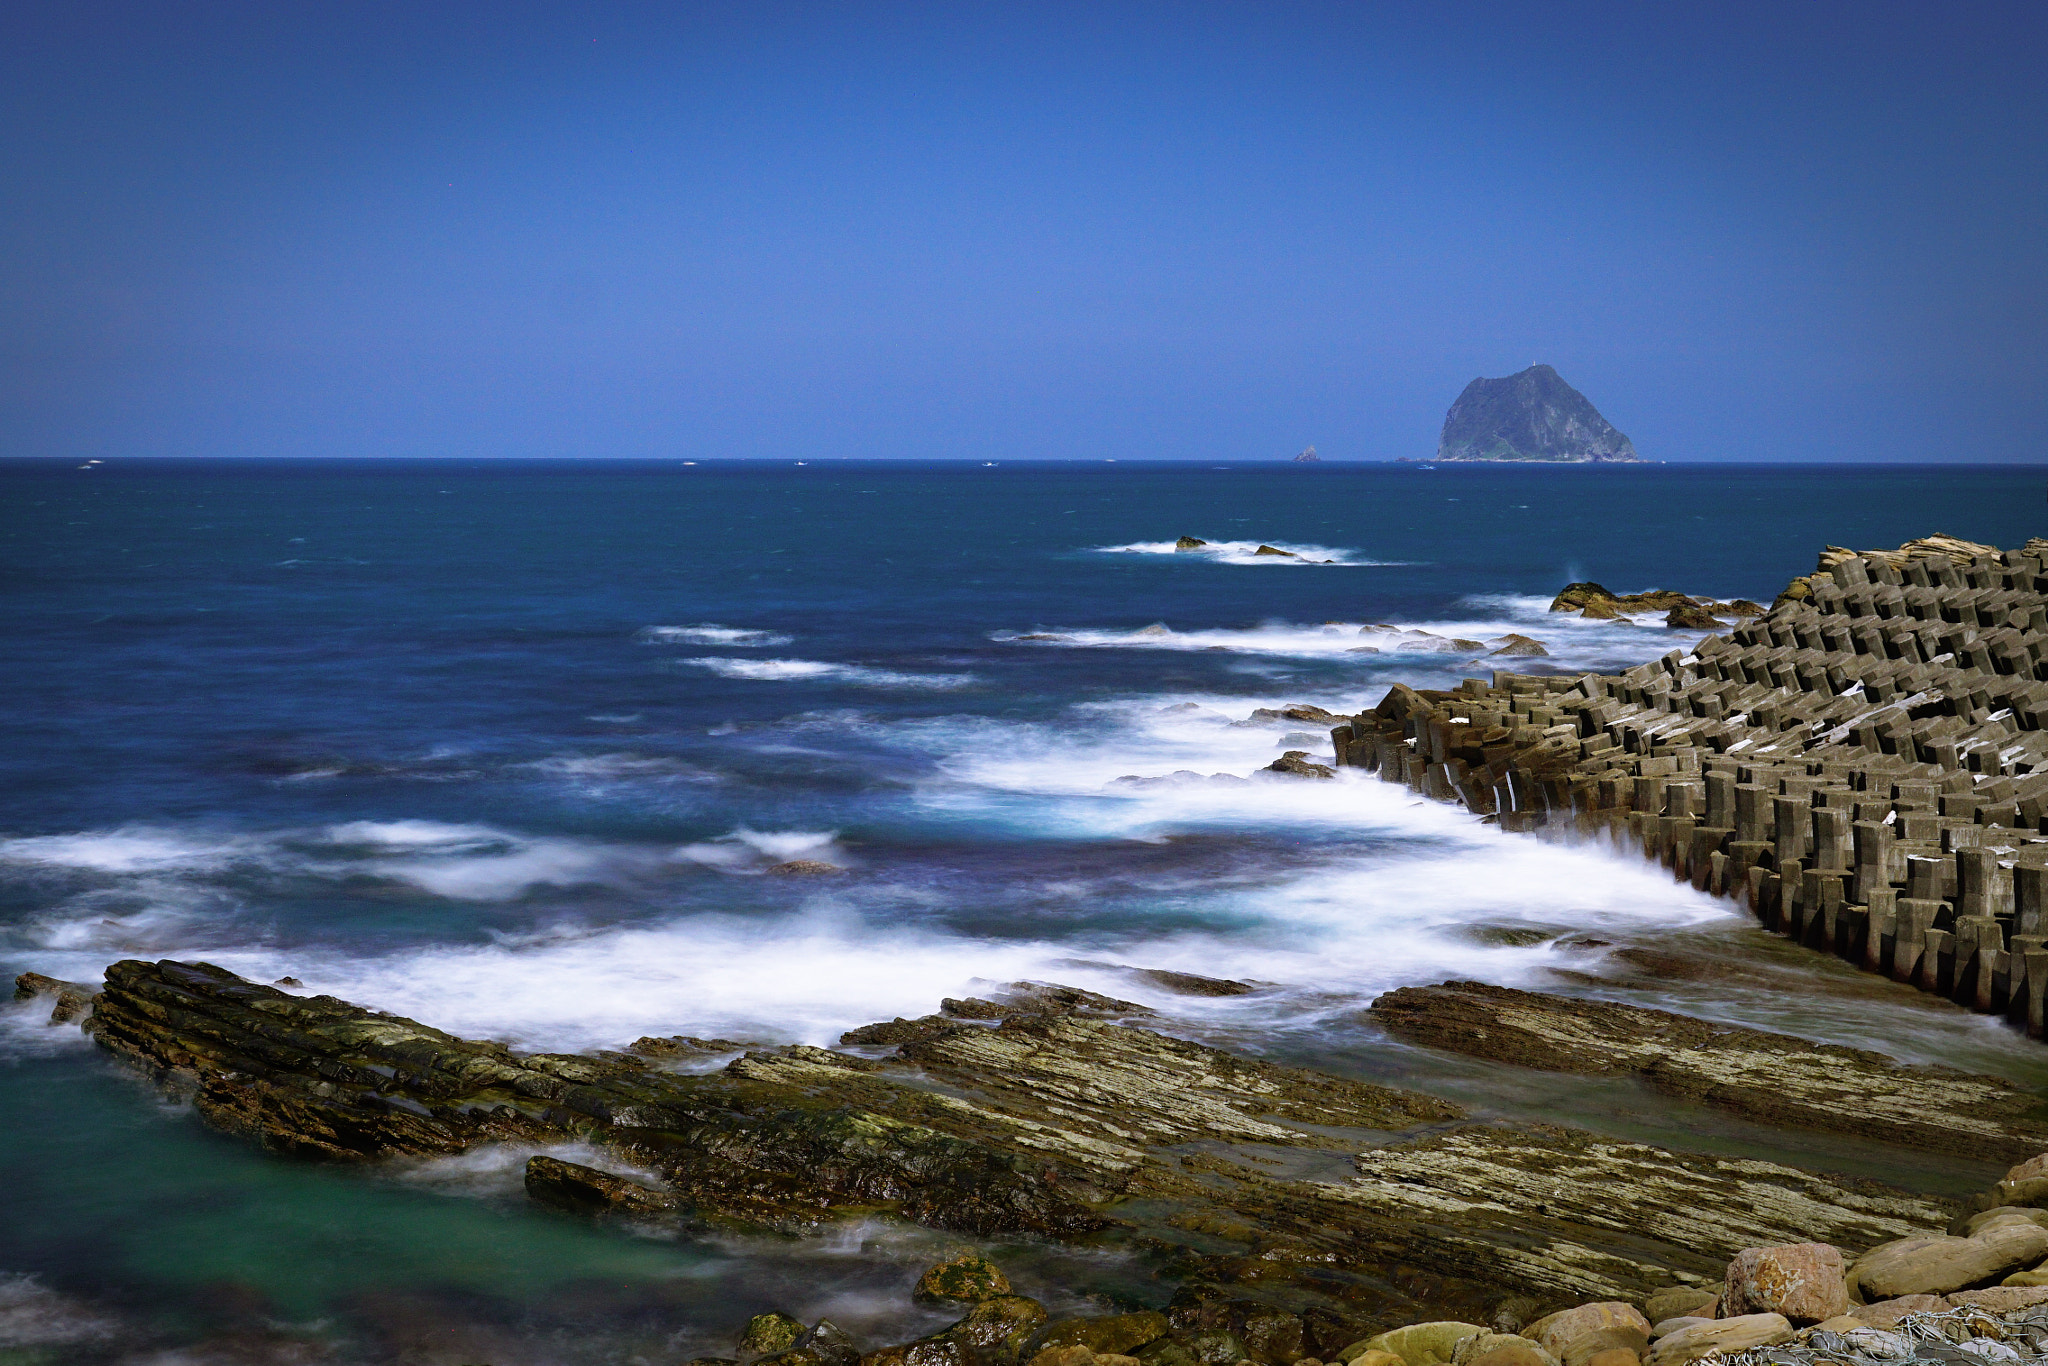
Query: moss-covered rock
{"points": [[769, 1333], [998, 1329], [1119, 1333], [967, 1277]]}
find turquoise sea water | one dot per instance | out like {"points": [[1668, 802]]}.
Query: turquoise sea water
{"points": [[508, 747]]}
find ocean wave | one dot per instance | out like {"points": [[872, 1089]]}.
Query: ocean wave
{"points": [[711, 634], [804, 670], [32, 1315], [128, 849], [747, 850], [1247, 552]]}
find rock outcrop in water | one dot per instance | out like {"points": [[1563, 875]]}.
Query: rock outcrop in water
{"points": [[1533, 415], [1042, 1112]]}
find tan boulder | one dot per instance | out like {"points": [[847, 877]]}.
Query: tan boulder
{"points": [[1934, 1266], [1424, 1344], [1559, 1331], [1722, 1336], [2004, 1214], [1501, 1349], [2032, 1167], [1581, 1350], [1614, 1356], [1887, 1313], [2027, 1278], [2001, 1299], [1806, 1282], [1664, 1328], [1368, 1356], [1679, 1300]]}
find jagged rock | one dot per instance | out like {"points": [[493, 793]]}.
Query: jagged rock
{"points": [[1806, 1282], [1691, 616], [1773, 1078], [1295, 762], [586, 1190], [1274, 550], [288, 982], [826, 1344], [968, 1277], [1519, 647], [1189, 543], [1531, 415], [1190, 984], [685, 1046], [1592, 600], [69, 1001]]}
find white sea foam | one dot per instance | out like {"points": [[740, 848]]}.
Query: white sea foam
{"points": [[129, 849], [710, 634], [1247, 552], [32, 1315], [753, 850], [1572, 641], [801, 670]]}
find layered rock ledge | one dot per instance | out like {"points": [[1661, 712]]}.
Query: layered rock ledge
{"points": [[1043, 1112]]}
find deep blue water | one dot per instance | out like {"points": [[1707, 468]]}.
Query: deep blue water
{"points": [[510, 746]]}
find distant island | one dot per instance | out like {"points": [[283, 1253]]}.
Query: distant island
{"points": [[1307, 456], [1533, 415]]}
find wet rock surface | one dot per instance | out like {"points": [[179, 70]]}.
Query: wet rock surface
{"points": [[1774, 1078], [1034, 1113]]}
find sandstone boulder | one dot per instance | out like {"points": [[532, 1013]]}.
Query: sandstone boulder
{"points": [[1424, 1344], [1559, 1332], [1721, 1337], [1501, 1349], [1935, 1266], [1675, 1301], [1614, 1356], [2001, 1299], [1886, 1313], [969, 1277], [1806, 1282]]}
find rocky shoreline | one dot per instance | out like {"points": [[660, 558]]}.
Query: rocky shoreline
{"points": [[1858, 763]]}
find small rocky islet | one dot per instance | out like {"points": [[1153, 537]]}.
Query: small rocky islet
{"points": [[1308, 1218]]}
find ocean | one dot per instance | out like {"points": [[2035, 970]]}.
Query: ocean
{"points": [[515, 748]]}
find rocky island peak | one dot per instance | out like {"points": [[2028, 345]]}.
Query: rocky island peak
{"points": [[1533, 415]]}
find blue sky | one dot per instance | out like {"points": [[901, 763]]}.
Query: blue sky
{"points": [[1747, 232]]}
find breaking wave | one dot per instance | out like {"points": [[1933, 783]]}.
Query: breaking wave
{"points": [[804, 670], [1247, 552]]}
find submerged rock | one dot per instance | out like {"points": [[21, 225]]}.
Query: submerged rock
{"points": [[586, 1190], [802, 867], [69, 1001], [1774, 1078], [1189, 543], [969, 1277], [1295, 762], [1275, 550]]}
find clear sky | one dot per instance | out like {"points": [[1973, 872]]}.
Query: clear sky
{"points": [[1780, 231]]}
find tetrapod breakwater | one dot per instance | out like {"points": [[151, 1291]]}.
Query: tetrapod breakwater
{"points": [[1865, 765]]}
